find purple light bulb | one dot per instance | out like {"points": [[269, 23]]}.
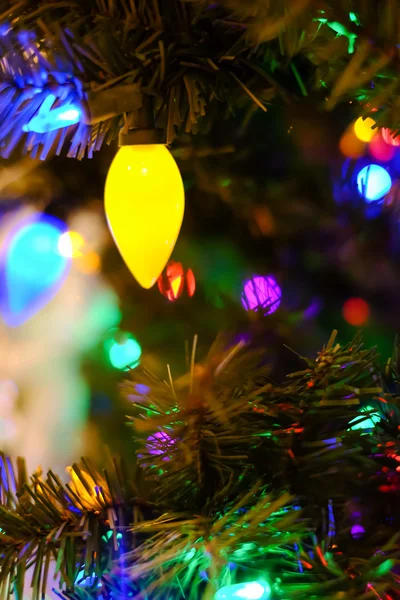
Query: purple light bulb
{"points": [[262, 293], [159, 442], [357, 531]]}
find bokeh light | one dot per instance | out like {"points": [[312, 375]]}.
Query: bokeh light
{"points": [[356, 311], [365, 129], [124, 353], [140, 390], [357, 531], [380, 149], [33, 268], [390, 138], [87, 581], [262, 293], [159, 443], [350, 145], [367, 421], [70, 244], [373, 182], [89, 263], [173, 281], [249, 590]]}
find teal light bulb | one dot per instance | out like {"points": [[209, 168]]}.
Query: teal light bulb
{"points": [[249, 590], [368, 422], [125, 354]]}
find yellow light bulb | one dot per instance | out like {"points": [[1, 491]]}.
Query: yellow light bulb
{"points": [[363, 128], [144, 204], [89, 493]]}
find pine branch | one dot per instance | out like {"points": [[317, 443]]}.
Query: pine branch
{"points": [[254, 477], [98, 45], [194, 554], [199, 438], [196, 427], [43, 521], [192, 59], [352, 44]]}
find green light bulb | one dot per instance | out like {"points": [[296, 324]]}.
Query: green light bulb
{"points": [[125, 354], [249, 590], [368, 423]]}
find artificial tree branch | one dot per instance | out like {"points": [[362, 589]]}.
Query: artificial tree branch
{"points": [[245, 476], [193, 58], [43, 521]]}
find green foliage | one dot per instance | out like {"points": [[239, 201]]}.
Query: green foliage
{"points": [[44, 522], [208, 424], [254, 478], [194, 555], [195, 60]]}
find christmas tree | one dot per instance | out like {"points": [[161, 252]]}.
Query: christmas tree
{"points": [[246, 488]]}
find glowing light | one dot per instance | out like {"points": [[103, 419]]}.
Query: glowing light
{"points": [[390, 137], [125, 354], [49, 119], [84, 581], [365, 129], [172, 283], [110, 534], [34, 269], [144, 209], [262, 293], [88, 489], [350, 145], [357, 531], [175, 285], [252, 590], [70, 244], [71, 115], [89, 263], [368, 422], [356, 311], [142, 389], [380, 150], [159, 443], [354, 18], [373, 182]]}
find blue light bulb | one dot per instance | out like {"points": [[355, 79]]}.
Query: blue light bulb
{"points": [[49, 119], [373, 182], [33, 268]]}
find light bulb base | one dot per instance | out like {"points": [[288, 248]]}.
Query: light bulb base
{"points": [[141, 137]]}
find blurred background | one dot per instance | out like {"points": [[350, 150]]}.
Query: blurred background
{"points": [[291, 230]]}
